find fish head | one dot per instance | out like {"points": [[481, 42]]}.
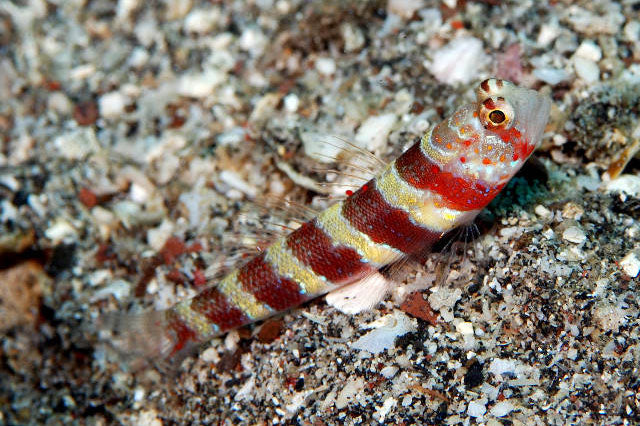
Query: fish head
{"points": [[489, 140]]}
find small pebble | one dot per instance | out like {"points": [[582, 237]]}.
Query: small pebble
{"points": [[353, 387], [384, 333], [631, 264], [460, 61], [200, 85], [236, 182], [573, 234], [465, 328], [85, 113], [628, 184], [632, 31], [586, 69], [112, 105], [543, 212], [119, 289], [373, 133], [60, 230], [353, 37], [388, 405], [389, 371], [502, 366], [326, 66], [138, 58], [502, 408], [589, 50], [201, 21], [291, 102], [60, 103], [548, 33], [550, 75], [404, 8], [253, 41], [477, 408]]}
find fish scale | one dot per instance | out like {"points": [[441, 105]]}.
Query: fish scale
{"points": [[441, 182]]}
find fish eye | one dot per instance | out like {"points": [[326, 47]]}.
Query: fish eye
{"points": [[496, 113], [497, 116]]}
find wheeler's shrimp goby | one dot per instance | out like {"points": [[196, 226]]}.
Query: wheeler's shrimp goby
{"points": [[441, 182]]}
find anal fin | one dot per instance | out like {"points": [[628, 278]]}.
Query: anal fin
{"points": [[361, 295]]}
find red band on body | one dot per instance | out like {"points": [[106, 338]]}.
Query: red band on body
{"points": [[258, 278], [311, 246], [457, 193], [215, 306], [181, 330], [369, 213]]}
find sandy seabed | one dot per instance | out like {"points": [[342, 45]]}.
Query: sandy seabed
{"points": [[136, 137]]}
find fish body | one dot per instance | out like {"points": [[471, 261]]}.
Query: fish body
{"points": [[441, 182]]}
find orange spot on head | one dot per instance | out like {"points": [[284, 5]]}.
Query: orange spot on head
{"points": [[475, 114], [486, 161], [467, 142], [449, 146], [462, 159], [476, 150], [489, 147], [502, 158]]}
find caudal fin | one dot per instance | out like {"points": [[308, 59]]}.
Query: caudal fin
{"points": [[147, 335]]}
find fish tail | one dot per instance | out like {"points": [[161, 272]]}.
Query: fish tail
{"points": [[148, 335]]}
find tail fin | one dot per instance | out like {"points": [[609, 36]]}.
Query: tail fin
{"points": [[149, 335]]}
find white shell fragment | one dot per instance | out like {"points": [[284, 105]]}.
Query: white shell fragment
{"points": [[630, 264], [349, 392], [200, 85], [573, 234], [112, 104], [326, 66], [384, 333], [465, 328], [236, 182], [586, 69], [373, 133], [60, 230], [627, 184], [477, 408], [459, 61], [550, 75], [502, 408]]}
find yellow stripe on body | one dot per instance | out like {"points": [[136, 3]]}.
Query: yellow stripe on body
{"points": [[287, 265], [423, 206], [231, 287], [342, 233], [430, 149], [195, 320]]}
